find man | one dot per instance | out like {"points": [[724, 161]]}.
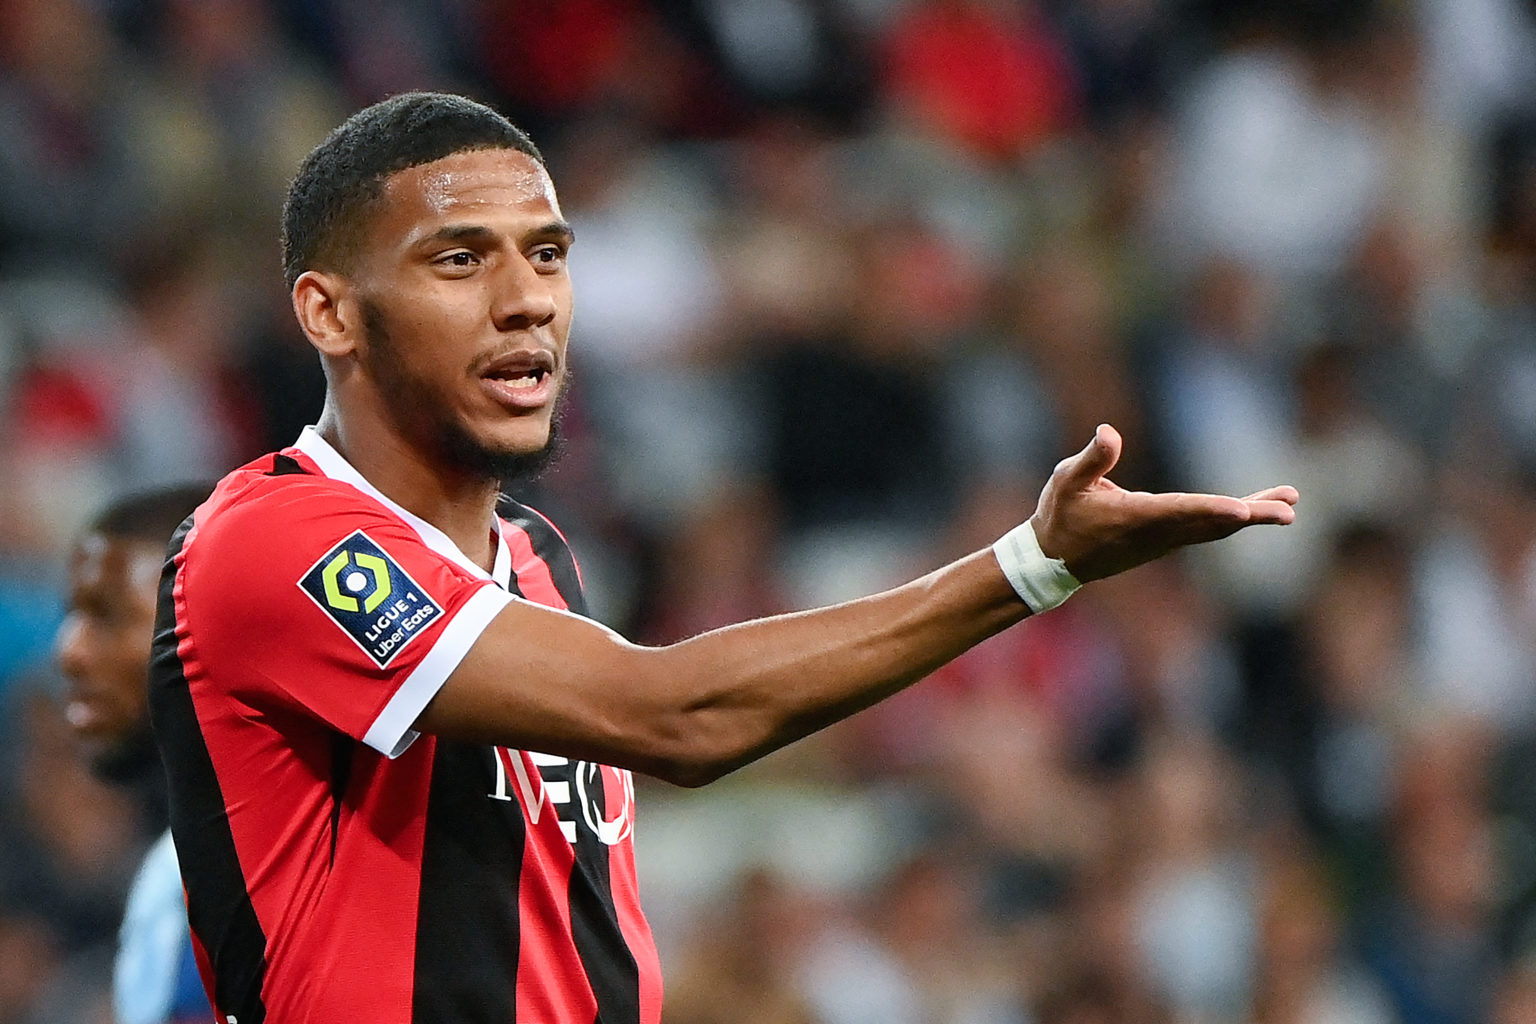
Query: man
{"points": [[399, 754], [103, 652]]}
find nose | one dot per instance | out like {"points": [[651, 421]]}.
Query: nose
{"points": [[524, 297], [72, 647]]}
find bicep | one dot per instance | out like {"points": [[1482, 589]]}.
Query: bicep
{"points": [[542, 679]]}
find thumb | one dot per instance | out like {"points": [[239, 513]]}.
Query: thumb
{"points": [[1087, 467]]}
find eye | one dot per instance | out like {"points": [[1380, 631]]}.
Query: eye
{"points": [[458, 260], [548, 256], [100, 613]]}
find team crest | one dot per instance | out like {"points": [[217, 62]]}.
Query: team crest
{"points": [[370, 597]]}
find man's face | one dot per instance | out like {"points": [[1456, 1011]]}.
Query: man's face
{"points": [[103, 647], [467, 303]]}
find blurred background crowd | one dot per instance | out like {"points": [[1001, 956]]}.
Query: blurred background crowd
{"points": [[851, 276]]}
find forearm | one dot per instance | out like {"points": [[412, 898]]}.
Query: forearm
{"points": [[749, 689]]}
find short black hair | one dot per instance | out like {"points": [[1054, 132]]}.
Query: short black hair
{"points": [[342, 177], [149, 515]]}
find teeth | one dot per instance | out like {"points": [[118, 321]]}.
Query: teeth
{"points": [[521, 380]]}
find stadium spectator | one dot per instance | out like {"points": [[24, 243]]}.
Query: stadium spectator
{"points": [[103, 651], [993, 77]]}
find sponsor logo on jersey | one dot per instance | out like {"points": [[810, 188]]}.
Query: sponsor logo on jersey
{"points": [[368, 594], [579, 790]]}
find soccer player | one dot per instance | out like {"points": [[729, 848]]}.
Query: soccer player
{"points": [[399, 753], [103, 652]]}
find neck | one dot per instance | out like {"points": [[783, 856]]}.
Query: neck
{"points": [[461, 504]]}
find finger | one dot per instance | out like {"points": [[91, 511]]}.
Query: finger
{"points": [[1215, 508], [1219, 511], [1284, 493], [1278, 512], [1087, 467]]}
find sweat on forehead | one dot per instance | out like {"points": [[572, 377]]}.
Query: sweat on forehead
{"points": [[460, 177], [338, 183]]}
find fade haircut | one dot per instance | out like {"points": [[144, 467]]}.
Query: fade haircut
{"points": [[151, 515], [338, 184]]}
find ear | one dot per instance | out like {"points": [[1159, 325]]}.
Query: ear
{"points": [[323, 305]]}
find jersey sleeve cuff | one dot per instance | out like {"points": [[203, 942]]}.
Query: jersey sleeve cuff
{"points": [[391, 733]]}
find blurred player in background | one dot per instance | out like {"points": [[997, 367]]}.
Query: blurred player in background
{"points": [[399, 753], [103, 651]]}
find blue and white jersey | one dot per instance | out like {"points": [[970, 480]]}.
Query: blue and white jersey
{"points": [[155, 979]]}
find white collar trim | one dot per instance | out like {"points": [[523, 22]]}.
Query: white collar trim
{"points": [[334, 465]]}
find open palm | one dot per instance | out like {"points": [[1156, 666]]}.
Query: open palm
{"points": [[1099, 528]]}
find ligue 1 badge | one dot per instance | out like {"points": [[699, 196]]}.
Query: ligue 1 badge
{"points": [[368, 594]]}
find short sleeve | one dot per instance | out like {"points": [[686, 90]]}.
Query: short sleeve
{"points": [[305, 594]]}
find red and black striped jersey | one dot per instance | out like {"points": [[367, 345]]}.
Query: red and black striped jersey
{"points": [[338, 866]]}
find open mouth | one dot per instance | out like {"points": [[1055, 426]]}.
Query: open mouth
{"points": [[84, 712], [521, 379]]}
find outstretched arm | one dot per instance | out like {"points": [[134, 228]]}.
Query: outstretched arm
{"points": [[690, 712]]}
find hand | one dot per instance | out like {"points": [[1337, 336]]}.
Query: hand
{"points": [[1098, 528]]}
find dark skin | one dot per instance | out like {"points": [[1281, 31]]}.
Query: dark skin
{"points": [[465, 261], [103, 645]]}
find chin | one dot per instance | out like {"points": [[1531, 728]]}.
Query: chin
{"points": [[506, 458], [125, 758], [528, 441]]}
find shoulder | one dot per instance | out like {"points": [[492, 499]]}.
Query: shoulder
{"points": [[276, 495], [543, 566], [159, 876], [533, 523], [153, 938], [277, 517], [277, 529]]}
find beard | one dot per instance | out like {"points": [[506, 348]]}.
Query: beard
{"points": [[130, 758], [423, 417]]}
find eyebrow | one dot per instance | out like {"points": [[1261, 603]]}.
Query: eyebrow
{"points": [[557, 230]]}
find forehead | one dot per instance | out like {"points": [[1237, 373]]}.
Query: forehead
{"points": [[115, 564], [478, 185]]}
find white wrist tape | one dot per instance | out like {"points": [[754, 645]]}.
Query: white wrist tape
{"points": [[1042, 581]]}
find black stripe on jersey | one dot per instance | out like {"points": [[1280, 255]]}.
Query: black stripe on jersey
{"points": [[605, 956], [286, 465], [343, 747], [552, 550], [218, 903], [467, 920]]}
